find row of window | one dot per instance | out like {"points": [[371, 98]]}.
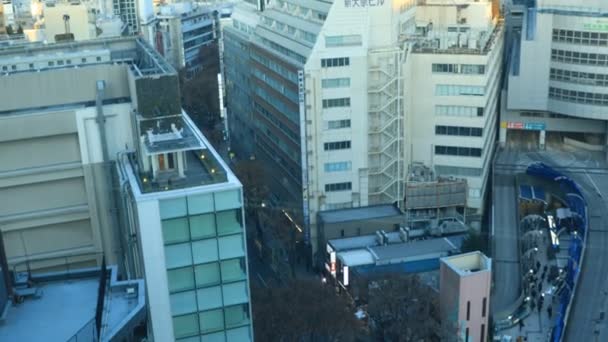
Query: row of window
{"points": [[466, 111], [459, 171], [580, 37], [344, 186], [587, 78], [32, 66], [204, 251], [205, 275], [204, 226], [458, 151], [339, 102], [336, 145], [467, 69], [279, 106], [338, 166], [276, 67], [459, 131], [576, 57], [284, 51], [337, 124], [276, 85], [335, 62], [286, 130], [348, 40], [336, 82], [205, 322], [457, 90], [578, 96]]}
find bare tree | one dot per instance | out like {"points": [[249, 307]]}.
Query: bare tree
{"points": [[402, 308], [303, 311]]}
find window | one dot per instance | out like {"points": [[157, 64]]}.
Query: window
{"points": [[483, 307], [337, 166], [207, 274], [600, 80], [339, 102], [456, 90], [98, 59], [184, 326], [180, 279], [335, 82], [51, 63], [4, 68], [337, 124], [336, 145], [68, 61], [468, 310], [344, 186], [204, 251], [233, 270], [59, 62], [178, 255], [211, 321], [237, 315], [84, 60], [335, 62], [31, 65], [466, 337], [202, 226], [482, 337], [458, 151], [175, 230], [229, 222]]}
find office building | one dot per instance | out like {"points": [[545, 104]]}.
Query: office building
{"points": [[277, 41], [137, 14], [392, 84], [182, 32], [557, 73], [110, 164], [464, 289]]}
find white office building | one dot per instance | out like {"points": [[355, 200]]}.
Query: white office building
{"points": [[391, 83], [557, 76]]}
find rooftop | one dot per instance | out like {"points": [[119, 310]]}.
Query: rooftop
{"points": [[468, 263], [360, 213], [64, 307]]}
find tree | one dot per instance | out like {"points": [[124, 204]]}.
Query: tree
{"points": [[19, 30], [255, 184], [303, 311], [10, 30], [200, 94], [475, 241], [402, 308]]}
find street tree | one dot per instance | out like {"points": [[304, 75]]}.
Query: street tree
{"points": [[403, 309], [475, 241], [303, 311]]}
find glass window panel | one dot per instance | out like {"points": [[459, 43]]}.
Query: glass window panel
{"points": [[235, 293], [204, 251], [183, 303], [211, 321], [215, 337], [231, 247], [238, 335], [207, 274], [209, 298], [229, 222], [184, 326], [175, 230], [233, 270], [227, 200], [202, 226], [178, 255], [170, 208], [190, 339], [237, 315], [200, 204], [180, 279]]}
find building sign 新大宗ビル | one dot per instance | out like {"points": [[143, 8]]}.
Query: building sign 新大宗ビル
{"points": [[528, 126], [363, 3]]}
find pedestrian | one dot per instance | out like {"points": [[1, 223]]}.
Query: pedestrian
{"points": [[521, 324], [538, 265], [540, 286], [549, 311]]}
